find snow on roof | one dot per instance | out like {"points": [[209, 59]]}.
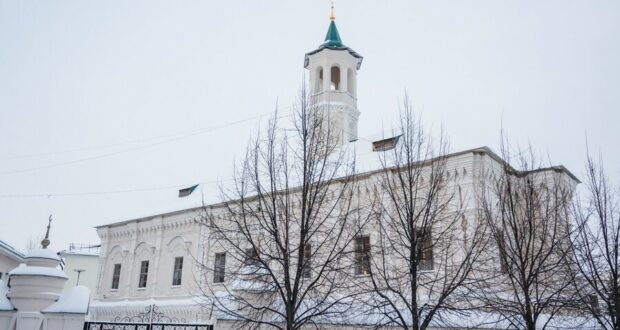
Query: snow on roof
{"points": [[43, 253], [36, 270], [11, 251], [257, 279], [5, 303], [81, 252], [73, 300], [82, 249], [368, 162], [144, 302], [446, 320], [351, 311]]}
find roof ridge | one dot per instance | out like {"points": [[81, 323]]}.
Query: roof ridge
{"points": [[11, 249]]}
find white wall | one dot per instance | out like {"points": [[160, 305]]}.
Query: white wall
{"points": [[6, 265], [159, 239], [90, 265]]}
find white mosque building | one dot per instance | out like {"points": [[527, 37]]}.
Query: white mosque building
{"points": [[152, 261]]}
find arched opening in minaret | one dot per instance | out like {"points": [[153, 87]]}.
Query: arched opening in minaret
{"points": [[335, 78], [318, 82], [351, 81]]}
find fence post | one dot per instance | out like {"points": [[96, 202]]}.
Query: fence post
{"points": [[151, 315]]}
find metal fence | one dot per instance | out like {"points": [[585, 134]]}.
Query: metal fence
{"points": [[150, 319], [145, 326]]}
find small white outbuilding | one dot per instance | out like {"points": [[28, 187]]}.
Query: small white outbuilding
{"points": [[33, 297]]}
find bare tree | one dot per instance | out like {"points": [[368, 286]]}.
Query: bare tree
{"points": [[34, 242], [527, 213], [596, 246], [426, 244], [275, 247]]}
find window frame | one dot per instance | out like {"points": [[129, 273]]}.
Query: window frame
{"points": [[144, 274], [424, 246], [219, 269], [177, 271], [593, 303], [251, 258], [501, 247], [116, 278], [306, 270], [362, 255]]}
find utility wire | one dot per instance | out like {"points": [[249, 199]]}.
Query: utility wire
{"points": [[120, 191], [176, 138], [87, 193], [105, 146], [93, 193]]}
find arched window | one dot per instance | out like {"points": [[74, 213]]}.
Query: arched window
{"points": [[351, 81], [318, 85], [335, 83]]}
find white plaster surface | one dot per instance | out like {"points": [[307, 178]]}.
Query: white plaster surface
{"points": [[73, 300], [5, 303]]}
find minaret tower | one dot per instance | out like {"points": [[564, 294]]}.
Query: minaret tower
{"points": [[333, 83]]}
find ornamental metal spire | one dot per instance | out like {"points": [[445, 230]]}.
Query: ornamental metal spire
{"points": [[46, 241], [332, 39]]}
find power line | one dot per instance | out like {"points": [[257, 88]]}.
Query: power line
{"points": [[176, 138], [95, 193], [119, 191], [86, 193], [105, 146], [108, 192]]}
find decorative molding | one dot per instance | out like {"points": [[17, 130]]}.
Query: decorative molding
{"points": [[144, 246], [178, 242], [117, 250]]}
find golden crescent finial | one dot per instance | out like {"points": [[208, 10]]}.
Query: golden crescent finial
{"points": [[332, 17]]}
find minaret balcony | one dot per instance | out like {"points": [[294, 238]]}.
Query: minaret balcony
{"points": [[335, 97]]}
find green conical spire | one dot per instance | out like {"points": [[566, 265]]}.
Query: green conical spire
{"points": [[332, 39]]}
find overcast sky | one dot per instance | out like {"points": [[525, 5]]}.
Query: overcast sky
{"points": [[103, 96]]}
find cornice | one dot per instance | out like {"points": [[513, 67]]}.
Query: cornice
{"points": [[147, 226]]}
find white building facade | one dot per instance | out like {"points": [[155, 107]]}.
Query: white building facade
{"points": [[33, 296], [156, 260], [150, 261], [81, 264], [10, 258]]}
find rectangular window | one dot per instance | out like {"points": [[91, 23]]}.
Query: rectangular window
{"points": [[592, 301], [251, 257], [220, 267], [177, 271], [425, 249], [501, 245], [116, 276], [307, 266], [144, 273], [362, 255]]}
